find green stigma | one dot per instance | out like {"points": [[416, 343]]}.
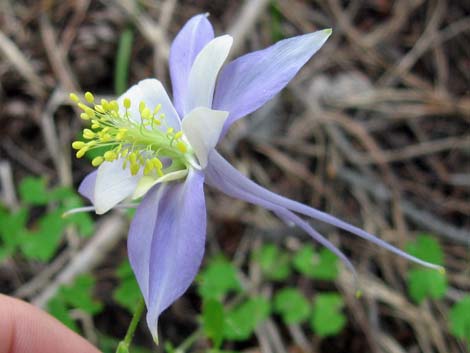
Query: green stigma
{"points": [[139, 143]]}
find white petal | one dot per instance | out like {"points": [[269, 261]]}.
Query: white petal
{"points": [[152, 92], [146, 182], [113, 184], [204, 73], [202, 128]]}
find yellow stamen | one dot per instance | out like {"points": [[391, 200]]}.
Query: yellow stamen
{"points": [[89, 97], [114, 106], [110, 156], [76, 145], [97, 161], [141, 107], [138, 143], [157, 164], [80, 153], [74, 97], [181, 146], [88, 134], [134, 168], [99, 108], [105, 104]]}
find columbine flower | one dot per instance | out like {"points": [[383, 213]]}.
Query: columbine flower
{"points": [[164, 151]]}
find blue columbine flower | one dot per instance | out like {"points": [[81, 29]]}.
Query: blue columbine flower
{"points": [[164, 151]]}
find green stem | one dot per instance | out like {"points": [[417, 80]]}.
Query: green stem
{"points": [[188, 342], [126, 342]]}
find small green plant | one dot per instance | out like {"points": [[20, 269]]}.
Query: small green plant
{"points": [[291, 304], [213, 321], [322, 265], [78, 295], [38, 237], [241, 321], [426, 283], [327, 318], [274, 263], [217, 279], [459, 319], [127, 293]]}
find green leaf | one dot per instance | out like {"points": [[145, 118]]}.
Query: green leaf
{"points": [[422, 282], [11, 231], [127, 293], [79, 295], [82, 220], [459, 319], [291, 305], [426, 248], [213, 321], [243, 320], [426, 283], [217, 279], [123, 57], [33, 191], [273, 262], [61, 193], [42, 244], [57, 308], [322, 266], [327, 318]]}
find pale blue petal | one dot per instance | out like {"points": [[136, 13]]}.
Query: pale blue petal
{"points": [[248, 82], [141, 235], [87, 186], [166, 242], [195, 34], [232, 176]]}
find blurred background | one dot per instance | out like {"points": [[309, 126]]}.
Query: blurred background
{"points": [[374, 129]]}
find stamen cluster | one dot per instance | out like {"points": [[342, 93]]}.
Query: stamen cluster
{"points": [[140, 144]]}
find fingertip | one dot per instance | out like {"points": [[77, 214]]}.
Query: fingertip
{"points": [[25, 328]]}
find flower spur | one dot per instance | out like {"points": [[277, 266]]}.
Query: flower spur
{"points": [[163, 151]]}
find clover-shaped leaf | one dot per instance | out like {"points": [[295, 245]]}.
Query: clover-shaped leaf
{"points": [[426, 248], [217, 279], [323, 266], [213, 321], [243, 320], [273, 262], [459, 317], [42, 243], [426, 283], [33, 191], [291, 305], [327, 318], [422, 282], [79, 295], [13, 227]]}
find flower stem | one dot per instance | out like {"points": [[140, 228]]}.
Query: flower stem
{"points": [[123, 346]]}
